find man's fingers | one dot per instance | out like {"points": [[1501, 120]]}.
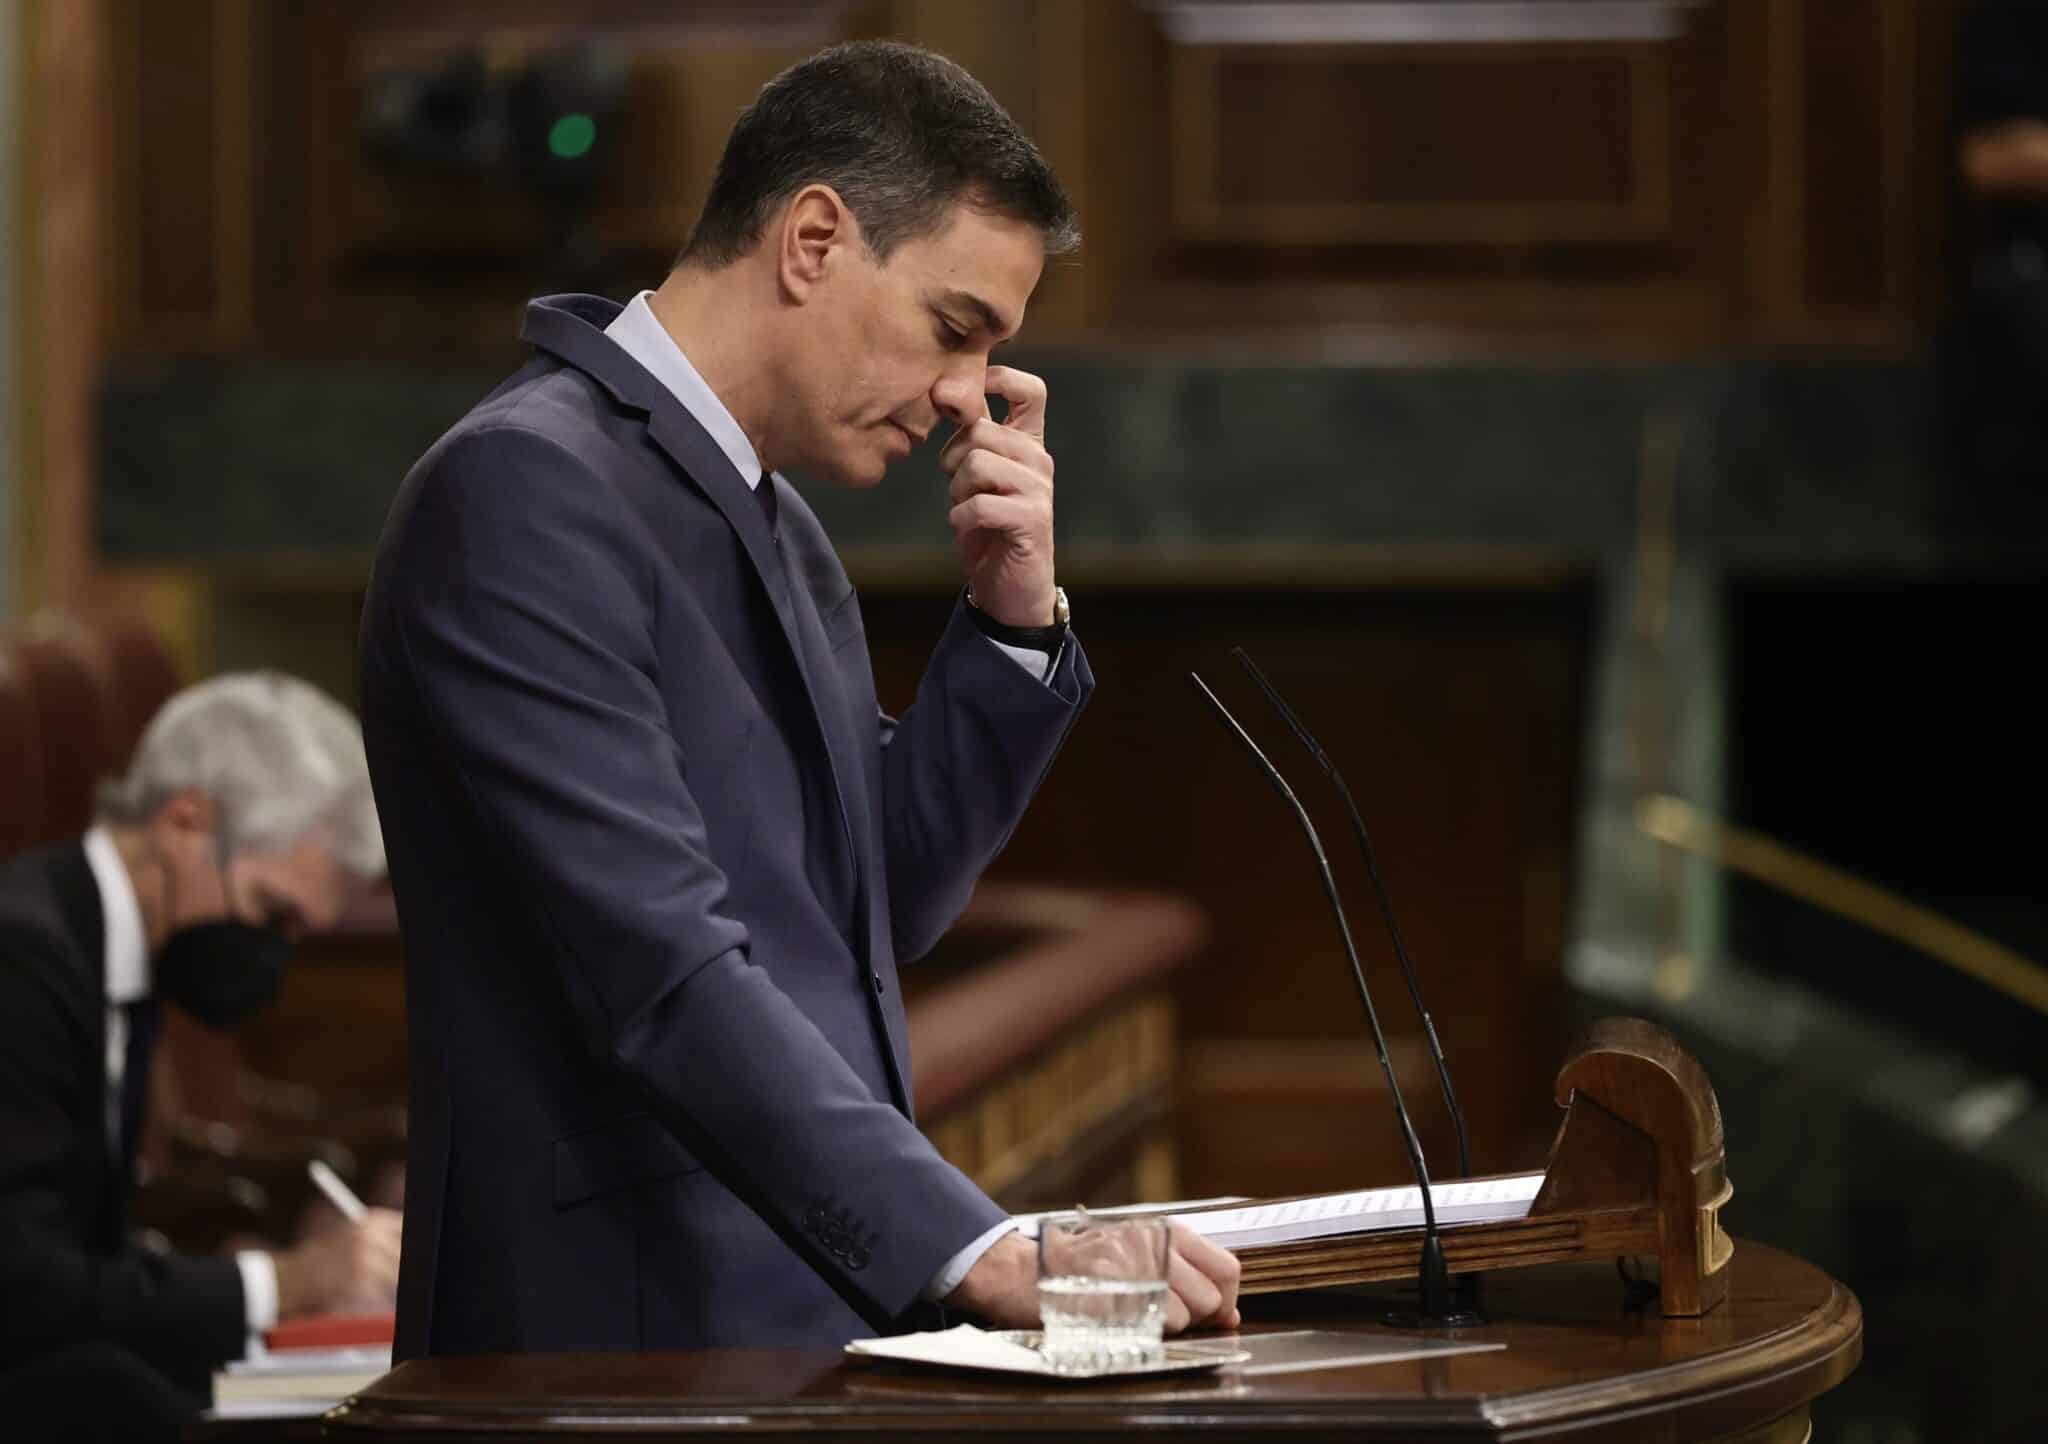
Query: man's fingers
{"points": [[377, 1247], [986, 472], [1203, 1276], [1212, 1258], [992, 436], [1195, 1289], [1026, 395], [992, 512]]}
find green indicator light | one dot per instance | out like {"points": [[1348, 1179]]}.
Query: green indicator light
{"points": [[571, 137]]}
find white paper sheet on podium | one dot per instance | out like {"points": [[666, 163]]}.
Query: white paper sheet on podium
{"points": [[1479, 1200]]}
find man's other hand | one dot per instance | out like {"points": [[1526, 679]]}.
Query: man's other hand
{"points": [[1202, 1283], [347, 1268], [1002, 1287]]}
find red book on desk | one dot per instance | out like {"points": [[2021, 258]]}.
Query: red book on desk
{"points": [[332, 1331]]}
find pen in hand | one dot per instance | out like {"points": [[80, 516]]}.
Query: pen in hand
{"points": [[338, 1193]]}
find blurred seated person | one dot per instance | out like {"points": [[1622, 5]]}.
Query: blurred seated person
{"points": [[245, 819], [2003, 154]]}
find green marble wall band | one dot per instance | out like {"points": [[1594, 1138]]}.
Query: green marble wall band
{"points": [[1779, 463]]}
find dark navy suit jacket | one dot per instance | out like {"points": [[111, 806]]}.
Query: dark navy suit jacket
{"points": [[657, 853], [70, 1275]]}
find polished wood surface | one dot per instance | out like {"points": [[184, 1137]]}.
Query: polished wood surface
{"points": [[1577, 1366]]}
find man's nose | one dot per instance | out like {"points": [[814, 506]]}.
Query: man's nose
{"points": [[961, 393]]}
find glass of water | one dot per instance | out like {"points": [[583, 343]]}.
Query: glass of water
{"points": [[1101, 1291]]}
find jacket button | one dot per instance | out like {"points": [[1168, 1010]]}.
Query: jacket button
{"points": [[876, 978]]}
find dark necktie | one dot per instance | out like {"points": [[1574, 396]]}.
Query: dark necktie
{"points": [[144, 1018], [764, 492]]}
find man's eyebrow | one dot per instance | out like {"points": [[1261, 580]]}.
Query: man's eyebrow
{"points": [[990, 317]]}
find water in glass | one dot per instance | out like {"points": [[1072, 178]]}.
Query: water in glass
{"points": [[1101, 1291]]}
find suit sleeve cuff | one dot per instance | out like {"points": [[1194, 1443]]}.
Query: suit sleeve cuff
{"points": [[958, 1267], [259, 1292]]}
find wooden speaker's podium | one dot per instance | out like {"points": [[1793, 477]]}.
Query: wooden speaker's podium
{"points": [[1740, 1341], [1639, 1168]]}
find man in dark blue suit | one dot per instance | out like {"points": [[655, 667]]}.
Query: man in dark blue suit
{"points": [[656, 850]]}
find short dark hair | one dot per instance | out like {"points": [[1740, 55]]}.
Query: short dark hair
{"points": [[902, 134]]}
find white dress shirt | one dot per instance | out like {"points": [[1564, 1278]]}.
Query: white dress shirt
{"points": [[641, 335], [127, 973]]}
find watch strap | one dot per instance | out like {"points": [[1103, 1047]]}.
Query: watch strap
{"points": [[1044, 639]]}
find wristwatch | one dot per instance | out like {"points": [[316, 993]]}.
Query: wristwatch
{"points": [[1044, 639]]}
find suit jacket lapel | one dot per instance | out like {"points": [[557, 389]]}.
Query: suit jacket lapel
{"points": [[572, 328]]}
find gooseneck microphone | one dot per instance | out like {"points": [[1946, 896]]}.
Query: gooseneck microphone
{"points": [[1437, 1308], [1315, 748]]}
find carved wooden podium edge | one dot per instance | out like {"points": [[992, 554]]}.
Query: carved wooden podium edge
{"points": [[1639, 1167]]}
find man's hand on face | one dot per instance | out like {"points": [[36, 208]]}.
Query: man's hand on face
{"points": [[1002, 503], [1002, 1287]]}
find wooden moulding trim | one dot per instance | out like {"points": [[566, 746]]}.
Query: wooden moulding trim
{"points": [[1054, 1182], [967, 1033], [1019, 1129], [1418, 22]]}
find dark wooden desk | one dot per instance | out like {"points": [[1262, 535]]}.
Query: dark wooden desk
{"points": [[1576, 1366]]}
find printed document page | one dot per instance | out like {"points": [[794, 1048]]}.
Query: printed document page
{"points": [[1479, 1200]]}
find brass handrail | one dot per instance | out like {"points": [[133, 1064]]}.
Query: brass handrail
{"points": [[1679, 824]]}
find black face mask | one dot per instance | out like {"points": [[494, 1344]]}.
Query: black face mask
{"points": [[222, 972]]}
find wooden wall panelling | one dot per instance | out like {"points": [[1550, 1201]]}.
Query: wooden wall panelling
{"points": [[1859, 172], [1070, 1125], [246, 198], [492, 240], [1096, 114], [1787, 165], [1425, 188], [1423, 145], [1043, 60], [162, 63], [1456, 717], [1722, 172], [70, 99], [1851, 181]]}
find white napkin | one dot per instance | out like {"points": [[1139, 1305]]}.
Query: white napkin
{"points": [[962, 1346]]}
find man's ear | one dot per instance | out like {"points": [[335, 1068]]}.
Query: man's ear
{"points": [[816, 226], [185, 811]]}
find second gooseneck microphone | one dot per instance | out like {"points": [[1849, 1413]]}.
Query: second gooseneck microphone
{"points": [[1372, 869], [1467, 1285], [1437, 1308]]}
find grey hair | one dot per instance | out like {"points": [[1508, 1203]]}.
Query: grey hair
{"points": [[279, 758]]}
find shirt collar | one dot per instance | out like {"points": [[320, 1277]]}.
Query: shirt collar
{"points": [[640, 334], [127, 954]]}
